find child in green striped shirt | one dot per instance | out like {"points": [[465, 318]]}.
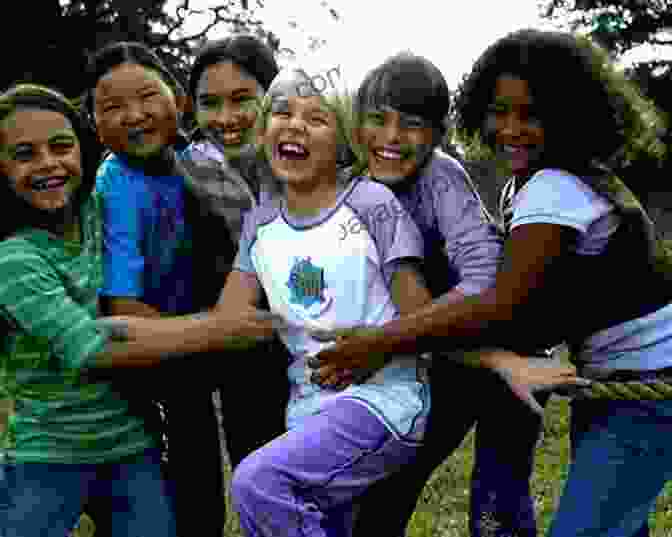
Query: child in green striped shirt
{"points": [[68, 435]]}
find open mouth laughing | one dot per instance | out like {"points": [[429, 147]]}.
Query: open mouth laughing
{"points": [[392, 153], [292, 151]]}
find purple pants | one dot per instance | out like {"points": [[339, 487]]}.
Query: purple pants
{"points": [[304, 482]]}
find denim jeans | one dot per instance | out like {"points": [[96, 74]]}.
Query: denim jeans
{"points": [[621, 459], [40, 499]]}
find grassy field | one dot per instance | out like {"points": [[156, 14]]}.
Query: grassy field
{"points": [[442, 510]]}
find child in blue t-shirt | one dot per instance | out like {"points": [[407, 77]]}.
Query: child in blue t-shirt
{"points": [[400, 108], [325, 260], [148, 263]]}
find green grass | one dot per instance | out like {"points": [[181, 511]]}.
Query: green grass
{"points": [[443, 507]]}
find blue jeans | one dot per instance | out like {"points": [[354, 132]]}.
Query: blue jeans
{"points": [[305, 481], [621, 459], [40, 499]]}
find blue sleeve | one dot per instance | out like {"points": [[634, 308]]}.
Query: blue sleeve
{"points": [[123, 259]]}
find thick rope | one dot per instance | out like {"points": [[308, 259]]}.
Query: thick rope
{"points": [[627, 391]]}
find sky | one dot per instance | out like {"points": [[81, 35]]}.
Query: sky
{"points": [[450, 33]]}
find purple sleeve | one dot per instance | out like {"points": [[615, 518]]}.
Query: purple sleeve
{"points": [[393, 230], [260, 215], [472, 243], [243, 261]]}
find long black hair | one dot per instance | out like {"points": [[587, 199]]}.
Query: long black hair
{"points": [[17, 212], [246, 51], [410, 84]]}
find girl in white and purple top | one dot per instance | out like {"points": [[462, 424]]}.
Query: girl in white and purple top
{"points": [[582, 264], [325, 260]]}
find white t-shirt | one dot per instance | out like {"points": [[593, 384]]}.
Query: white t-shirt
{"points": [[554, 196]]}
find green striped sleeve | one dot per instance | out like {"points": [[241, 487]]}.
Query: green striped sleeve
{"points": [[34, 299]]}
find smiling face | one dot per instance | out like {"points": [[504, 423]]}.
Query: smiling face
{"points": [[301, 141], [396, 144], [517, 132], [40, 156], [226, 105], [135, 110]]}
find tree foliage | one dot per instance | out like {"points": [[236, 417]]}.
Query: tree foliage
{"points": [[56, 47], [619, 25]]}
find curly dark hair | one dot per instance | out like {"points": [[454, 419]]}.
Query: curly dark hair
{"points": [[590, 112], [35, 96]]}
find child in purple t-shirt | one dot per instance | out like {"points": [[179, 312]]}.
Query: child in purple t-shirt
{"points": [[400, 111]]}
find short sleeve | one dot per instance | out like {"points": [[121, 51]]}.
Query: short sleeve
{"points": [[33, 298], [473, 245], [557, 197], [123, 260], [390, 225], [243, 261]]}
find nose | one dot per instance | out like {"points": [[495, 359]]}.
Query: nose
{"points": [[511, 125], [225, 117], [46, 159], [391, 132], [297, 123], [134, 113]]}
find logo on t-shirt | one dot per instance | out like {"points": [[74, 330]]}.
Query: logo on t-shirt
{"points": [[307, 286]]}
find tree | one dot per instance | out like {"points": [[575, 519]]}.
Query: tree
{"points": [[69, 31], [622, 26], [66, 32], [619, 25]]}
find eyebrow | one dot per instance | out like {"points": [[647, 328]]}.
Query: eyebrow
{"points": [[235, 93], [63, 135], [57, 137]]}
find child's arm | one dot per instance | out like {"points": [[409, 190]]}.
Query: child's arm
{"points": [[409, 291], [34, 300], [128, 306], [532, 249]]}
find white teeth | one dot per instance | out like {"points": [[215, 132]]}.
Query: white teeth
{"points": [[293, 148], [389, 155]]}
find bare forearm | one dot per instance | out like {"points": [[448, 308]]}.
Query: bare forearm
{"points": [[158, 340], [446, 322], [129, 306]]}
